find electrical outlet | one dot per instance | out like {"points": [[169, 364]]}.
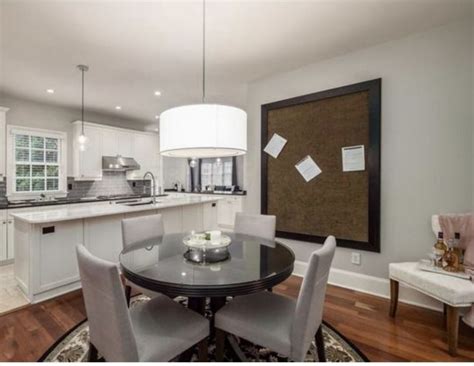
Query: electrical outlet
{"points": [[355, 258]]}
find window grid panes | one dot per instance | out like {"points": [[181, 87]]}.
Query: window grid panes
{"points": [[37, 166], [217, 173]]}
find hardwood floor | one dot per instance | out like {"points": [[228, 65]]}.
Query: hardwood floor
{"points": [[416, 334]]}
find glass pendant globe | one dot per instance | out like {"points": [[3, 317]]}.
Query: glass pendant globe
{"points": [[82, 139]]}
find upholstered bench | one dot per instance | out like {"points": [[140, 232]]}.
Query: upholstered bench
{"points": [[453, 292]]}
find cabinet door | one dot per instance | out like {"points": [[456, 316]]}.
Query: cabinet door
{"points": [[109, 142], [2, 144], [209, 213], [225, 213], [3, 236], [10, 238], [103, 237], [91, 158], [125, 144], [146, 153]]}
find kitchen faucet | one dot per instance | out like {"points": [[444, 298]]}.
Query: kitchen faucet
{"points": [[153, 186]]}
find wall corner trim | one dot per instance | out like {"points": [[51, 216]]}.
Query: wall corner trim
{"points": [[372, 285]]}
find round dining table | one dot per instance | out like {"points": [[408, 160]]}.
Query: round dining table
{"points": [[254, 264]]}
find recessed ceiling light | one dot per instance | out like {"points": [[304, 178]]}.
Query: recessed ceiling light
{"points": [[156, 129], [50, 91], [157, 93], [117, 107], [157, 116]]}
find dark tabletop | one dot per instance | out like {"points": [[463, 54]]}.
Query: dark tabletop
{"points": [[254, 265]]}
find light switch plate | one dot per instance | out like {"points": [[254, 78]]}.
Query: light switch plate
{"points": [[355, 258]]}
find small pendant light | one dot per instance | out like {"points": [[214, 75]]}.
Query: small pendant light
{"points": [[82, 139]]}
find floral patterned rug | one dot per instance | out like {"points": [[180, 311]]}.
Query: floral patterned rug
{"points": [[74, 346]]}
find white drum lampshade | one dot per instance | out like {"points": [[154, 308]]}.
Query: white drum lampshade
{"points": [[203, 131]]}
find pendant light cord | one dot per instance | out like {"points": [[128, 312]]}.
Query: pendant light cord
{"points": [[82, 112], [203, 50]]}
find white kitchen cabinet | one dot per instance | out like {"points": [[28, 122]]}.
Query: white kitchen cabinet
{"points": [[10, 241], [88, 162], [125, 143], [226, 210], [55, 255], [3, 144], [146, 152], [3, 236], [209, 216], [172, 220], [109, 143], [101, 230], [113, 141]]}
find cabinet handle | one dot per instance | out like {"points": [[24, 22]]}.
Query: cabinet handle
{"points": [[10, 221], [4, 222]]}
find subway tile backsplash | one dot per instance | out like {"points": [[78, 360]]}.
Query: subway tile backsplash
{"points": [[111, 183]]}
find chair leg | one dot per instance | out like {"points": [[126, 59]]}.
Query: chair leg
{"points": [[203, 350], [393, 297], [220, 344], [128, 293], [453, 329], [319, 340], [93, 355]]}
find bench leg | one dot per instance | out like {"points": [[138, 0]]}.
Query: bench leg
{"points": [[393, 297], [453, 329]]}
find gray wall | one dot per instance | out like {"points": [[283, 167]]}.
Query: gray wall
{"points": [[24, 112], [427, 135]]}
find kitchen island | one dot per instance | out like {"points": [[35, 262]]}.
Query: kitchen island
{"points": [[45, 241]]}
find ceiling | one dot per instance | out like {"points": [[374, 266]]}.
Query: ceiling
{"points": [[136, 47]]}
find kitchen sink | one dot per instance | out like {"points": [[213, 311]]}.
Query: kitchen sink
{"points": [[140, 203]]}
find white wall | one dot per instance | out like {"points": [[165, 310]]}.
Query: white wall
{"points": [[25, 112], [427, 135]]}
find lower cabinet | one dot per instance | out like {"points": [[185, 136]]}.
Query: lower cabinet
{"points": [[3, 236], [226, 210], [7, 246]]}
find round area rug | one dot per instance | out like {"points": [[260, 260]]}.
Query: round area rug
{"points": [[74, 346]]}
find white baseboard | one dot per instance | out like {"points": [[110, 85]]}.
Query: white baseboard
{"points": [[372, 285]]}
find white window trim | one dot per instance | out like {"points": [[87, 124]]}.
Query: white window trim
{"points": [[11, 130]]}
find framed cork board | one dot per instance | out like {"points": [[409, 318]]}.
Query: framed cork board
{"points": [[343, 204]]}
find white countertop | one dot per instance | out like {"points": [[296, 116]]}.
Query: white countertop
{"points": [[82, 211]]}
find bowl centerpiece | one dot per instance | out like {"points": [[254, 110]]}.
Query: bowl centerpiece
{"points": [[207, 247]]}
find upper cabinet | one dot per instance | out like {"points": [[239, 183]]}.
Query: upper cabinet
{"points": [[146, 152], [112, 141], [3, 149]]}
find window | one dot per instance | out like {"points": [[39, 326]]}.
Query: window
{"points": [[217, 172], [36, 162]]}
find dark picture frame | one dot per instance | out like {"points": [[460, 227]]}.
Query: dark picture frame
{"points": [[373, 166]]}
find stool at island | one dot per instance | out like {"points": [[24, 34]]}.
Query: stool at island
{"points": [[453, 292]]}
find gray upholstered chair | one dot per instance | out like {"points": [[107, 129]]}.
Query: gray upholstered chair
{"points": [[277, 322], [138, 230], [262, 226], [157, 330]]}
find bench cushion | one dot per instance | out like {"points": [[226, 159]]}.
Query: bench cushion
{"points": [[447, 289]]}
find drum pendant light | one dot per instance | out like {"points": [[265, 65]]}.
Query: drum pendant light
{"points": [[203, 130], [82, 139]]}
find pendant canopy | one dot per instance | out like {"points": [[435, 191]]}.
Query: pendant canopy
{"points": [[203, 131]]}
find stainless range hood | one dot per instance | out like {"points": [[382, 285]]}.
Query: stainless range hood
{"points": [[119, 164]]}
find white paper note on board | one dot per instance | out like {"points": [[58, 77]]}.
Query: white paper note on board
{"points": [[308, 168], [275, 145], [353, 158]]}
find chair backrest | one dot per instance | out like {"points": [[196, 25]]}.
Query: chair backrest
{"points": [[109, 321], [309, 307], [262, 226], [142, 228]]}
